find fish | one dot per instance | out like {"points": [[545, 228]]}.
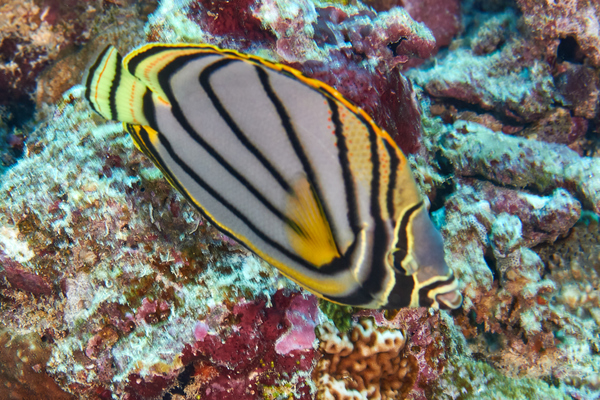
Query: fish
{"points": [[285, 165]]}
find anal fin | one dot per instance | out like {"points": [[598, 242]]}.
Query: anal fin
{"points": [[309, 231]]}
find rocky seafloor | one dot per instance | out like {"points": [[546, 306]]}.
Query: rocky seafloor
{"points": [[112, 286]]}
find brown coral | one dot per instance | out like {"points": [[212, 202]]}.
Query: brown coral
{"points": [[366, 363]]}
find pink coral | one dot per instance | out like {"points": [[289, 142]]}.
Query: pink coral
{"points": [[302, 317], [262, 346]]}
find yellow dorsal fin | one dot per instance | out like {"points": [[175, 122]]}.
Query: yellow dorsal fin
{"points": [[113, 91], [149, 60], [310, 234]]}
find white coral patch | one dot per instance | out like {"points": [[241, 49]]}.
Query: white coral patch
{"points": [[13, 247]]}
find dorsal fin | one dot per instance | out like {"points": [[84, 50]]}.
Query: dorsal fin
{"points": [[113, 92], [310, 235], [148, 61]]}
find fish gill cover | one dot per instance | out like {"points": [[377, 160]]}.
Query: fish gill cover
{"points": [[113, 286]]}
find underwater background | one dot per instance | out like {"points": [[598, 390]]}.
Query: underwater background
{"points": [[112, 286]]}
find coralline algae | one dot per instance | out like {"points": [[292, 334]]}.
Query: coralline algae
{"points": [[113, 287]]}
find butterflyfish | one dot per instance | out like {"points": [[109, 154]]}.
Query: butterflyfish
{"points": [[284, 164]]}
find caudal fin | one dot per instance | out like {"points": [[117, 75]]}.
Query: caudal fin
{"points": [[113, 92]]}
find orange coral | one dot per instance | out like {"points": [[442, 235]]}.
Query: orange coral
{"points": [[367, 363]]}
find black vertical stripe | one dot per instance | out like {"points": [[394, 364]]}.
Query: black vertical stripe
{"points": [[344, 159], [90, 77], [401, 294], [114, 86], [296, 144], [374, 282], [392, 179], [164, 77], [149, 109], [206, 85]]}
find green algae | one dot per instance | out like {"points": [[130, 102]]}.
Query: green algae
{"points": [[340, 315], [469, 380]]}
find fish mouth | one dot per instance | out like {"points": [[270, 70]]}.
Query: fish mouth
{"points": [[449, 300]]}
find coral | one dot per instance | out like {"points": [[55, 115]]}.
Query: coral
{"points": [[476, 151], [441, 17], [262, 347], [573, 265], [497, 73], [511, 315], [558, 126], [471, 380], [579, 19], [302, 317], [350, 48], [579, 86], [19, 278], [364, 363], [113, 286], [491, 229]]}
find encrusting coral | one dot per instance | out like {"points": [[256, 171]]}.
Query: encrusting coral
{"points": [[363, 363]]}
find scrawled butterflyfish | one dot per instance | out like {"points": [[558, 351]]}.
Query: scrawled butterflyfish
{"points": [[286, 165]]}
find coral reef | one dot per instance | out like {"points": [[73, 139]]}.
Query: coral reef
{"points": [[443, 18], [264, 347], [527, 195], [495, 73], [507, 160], [113, 286]]}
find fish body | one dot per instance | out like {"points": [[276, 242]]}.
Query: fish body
{"points": [[285, 165]]}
